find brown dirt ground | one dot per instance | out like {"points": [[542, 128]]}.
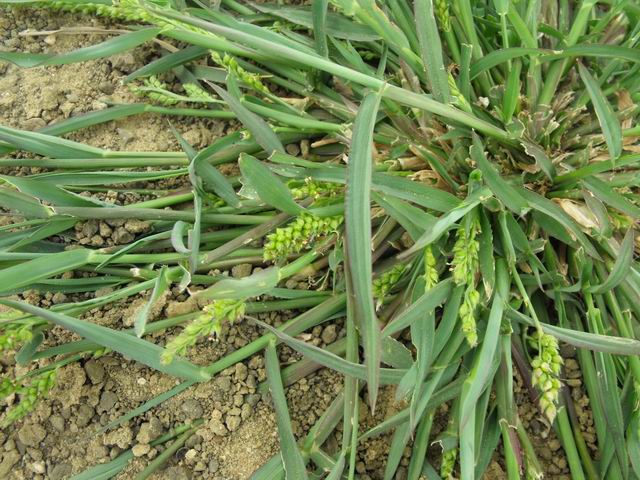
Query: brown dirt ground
{"points": [[58, 439]]}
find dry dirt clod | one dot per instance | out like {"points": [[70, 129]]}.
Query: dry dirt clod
{"points": [[95, 371], [31, 434]]}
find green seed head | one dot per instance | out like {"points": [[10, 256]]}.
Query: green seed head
{"points": [[430, 268], [546, 368], [385, 282], [209, 323], [29, 395], [299, 234], [448, 463]]}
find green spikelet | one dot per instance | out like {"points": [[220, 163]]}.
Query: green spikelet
{"points": [[129, 10], [467, 314], [156, 91], [209, 323], [385, 282], [466, 254], [198, 94], [229, 63], [15, 335], [448, 463], [441, 8], [299, 234], [315, 189], [465, 267], [458, 98], [29, 395], [546, 370], [430, 268]]}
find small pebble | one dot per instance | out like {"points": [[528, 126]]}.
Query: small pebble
{"points": [[140, 449]]}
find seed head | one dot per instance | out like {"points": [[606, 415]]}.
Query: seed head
{"points": [[546, 369], [29, 395], [448, 463], [15, 335], [430, 268], [208, 323], [315, 189], [441, 8], [299, 234], [467, 313], [196, 93], [466, 254], [385, 282], [155, 90]]}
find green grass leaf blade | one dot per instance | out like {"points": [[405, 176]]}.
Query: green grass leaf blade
{"points": [[608, 121], [609, 196], [50, 192], [595, 50], [243, 288], [48, 145], [498, 57], [431, 49], [426, 303], [106, 471], [549, 208], [446, 221], [486, 257], [478, 379], [388, 376], [512, 92], [293, 463], [168, 62], [163, 282], [48, 265], [412, 219], [507, 194], [268, 186], [358, 235], [319, 18], [110, 47], [621, 267], [133, 246], [128, 345], [586, 340], [260, 129], [26, 205], [337, 25]]}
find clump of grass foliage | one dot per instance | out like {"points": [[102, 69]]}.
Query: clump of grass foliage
{"points": [[473, 163]]}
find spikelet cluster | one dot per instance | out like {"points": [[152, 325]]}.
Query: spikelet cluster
{"points": [[448, 463], [196, 93], [465, 267], [312, 189], [441, 8], [208, 323], [15, 335], [230, 64], [458, 98], [430, 268], [467, 313], [385, 282], [29, 394], [156, 91], [546, 369], [129, 10], [299, 234]]}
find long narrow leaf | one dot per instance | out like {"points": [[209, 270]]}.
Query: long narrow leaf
{"points": [[358, 235], [293, 462], [128, 345]]}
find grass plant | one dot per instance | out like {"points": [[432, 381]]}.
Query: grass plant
{"points": [[470, 176]]}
